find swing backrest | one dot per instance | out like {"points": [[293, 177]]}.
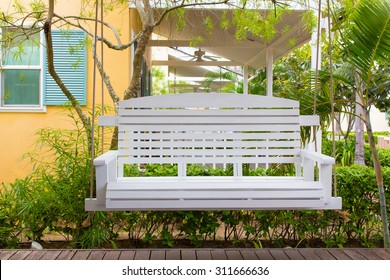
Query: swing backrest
{"points": [[208, 128]]}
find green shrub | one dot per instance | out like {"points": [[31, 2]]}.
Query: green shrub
{"points": [[357, 186], [327, 148], [61, 179], [383, 154], [351, 136], [345, 151], [52, 197], [12, 199]]}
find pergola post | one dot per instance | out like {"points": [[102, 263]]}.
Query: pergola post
{"points": [[245, 82], [315, 50], [269, 70]]}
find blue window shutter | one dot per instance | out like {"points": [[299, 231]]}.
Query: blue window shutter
{"points": [[70, 63]]}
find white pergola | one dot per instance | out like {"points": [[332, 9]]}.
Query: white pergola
{"points": [[251, 53]]}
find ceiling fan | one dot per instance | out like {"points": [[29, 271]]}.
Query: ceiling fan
{"points": [[199, 56], [199, 53]]}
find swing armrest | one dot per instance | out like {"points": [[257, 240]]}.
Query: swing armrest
{"points": [[324, 170], [105, 158], [105, 165], [318, 157]]}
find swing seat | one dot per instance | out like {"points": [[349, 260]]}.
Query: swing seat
{"points": [[211, 129]]}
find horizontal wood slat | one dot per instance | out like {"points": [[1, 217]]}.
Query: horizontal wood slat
{"points": [[208, 152], [204, 112], [223, 204], [209, 100], [208, 135], [218, 188], [244, 127], [209, 120], [208, 144], [122, 160], [215, 183], [210, 194], [213, 188]]}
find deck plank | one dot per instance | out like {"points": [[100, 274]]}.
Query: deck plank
{"points": [[173, 254], [203, 255], [339, 254], [21, 255], [142, 255], [293, 254], [97, 255], [234, 255], [112, 255], [248, 254], [66, 254], [81, 255], [383, 253], [127, 255], [7, 254], [278, 254], [353, 254], [323, 254], [308, 254], [188, 254], [218, 254], [368, 254], [157, 255], [264, 254], [51, 255], [36, 255]]}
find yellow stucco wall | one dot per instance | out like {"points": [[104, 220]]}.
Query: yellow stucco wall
{"points": [[17, 130]]}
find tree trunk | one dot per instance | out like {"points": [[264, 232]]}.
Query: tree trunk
{"points": [[359, 132], [114, 139], [135, 85], [379, 180], [51, 69]]}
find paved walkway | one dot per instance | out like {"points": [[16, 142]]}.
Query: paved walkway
{"points": [[200, 254]]}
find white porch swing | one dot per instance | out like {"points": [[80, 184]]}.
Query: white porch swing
{"points": [[211, 128]]}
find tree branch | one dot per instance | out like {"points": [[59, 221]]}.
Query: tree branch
{"points": [[115, 98], [79, 18], [51, 69], [167, 11], [135, 84], [108, 43]]}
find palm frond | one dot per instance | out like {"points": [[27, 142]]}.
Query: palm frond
{"points": [[368, 38]]}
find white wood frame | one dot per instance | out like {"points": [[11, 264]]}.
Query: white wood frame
{"points": [[211, 128]]}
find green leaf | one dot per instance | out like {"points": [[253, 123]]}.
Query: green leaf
{"points": [[225, 22], [209, 24], [368, 38]]}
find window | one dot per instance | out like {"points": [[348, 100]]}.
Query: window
{"points": [[21, 69], [146, 80], [146, 76], [25, 84], [70, 61]]}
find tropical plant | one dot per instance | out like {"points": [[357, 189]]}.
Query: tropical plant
{"points": [[366, 40], [233, 85]]}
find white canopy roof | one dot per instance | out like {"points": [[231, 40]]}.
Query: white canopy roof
{"points": [[291, 33]]}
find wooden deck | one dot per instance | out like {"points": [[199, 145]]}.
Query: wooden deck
{"points": [[200, 254]]}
